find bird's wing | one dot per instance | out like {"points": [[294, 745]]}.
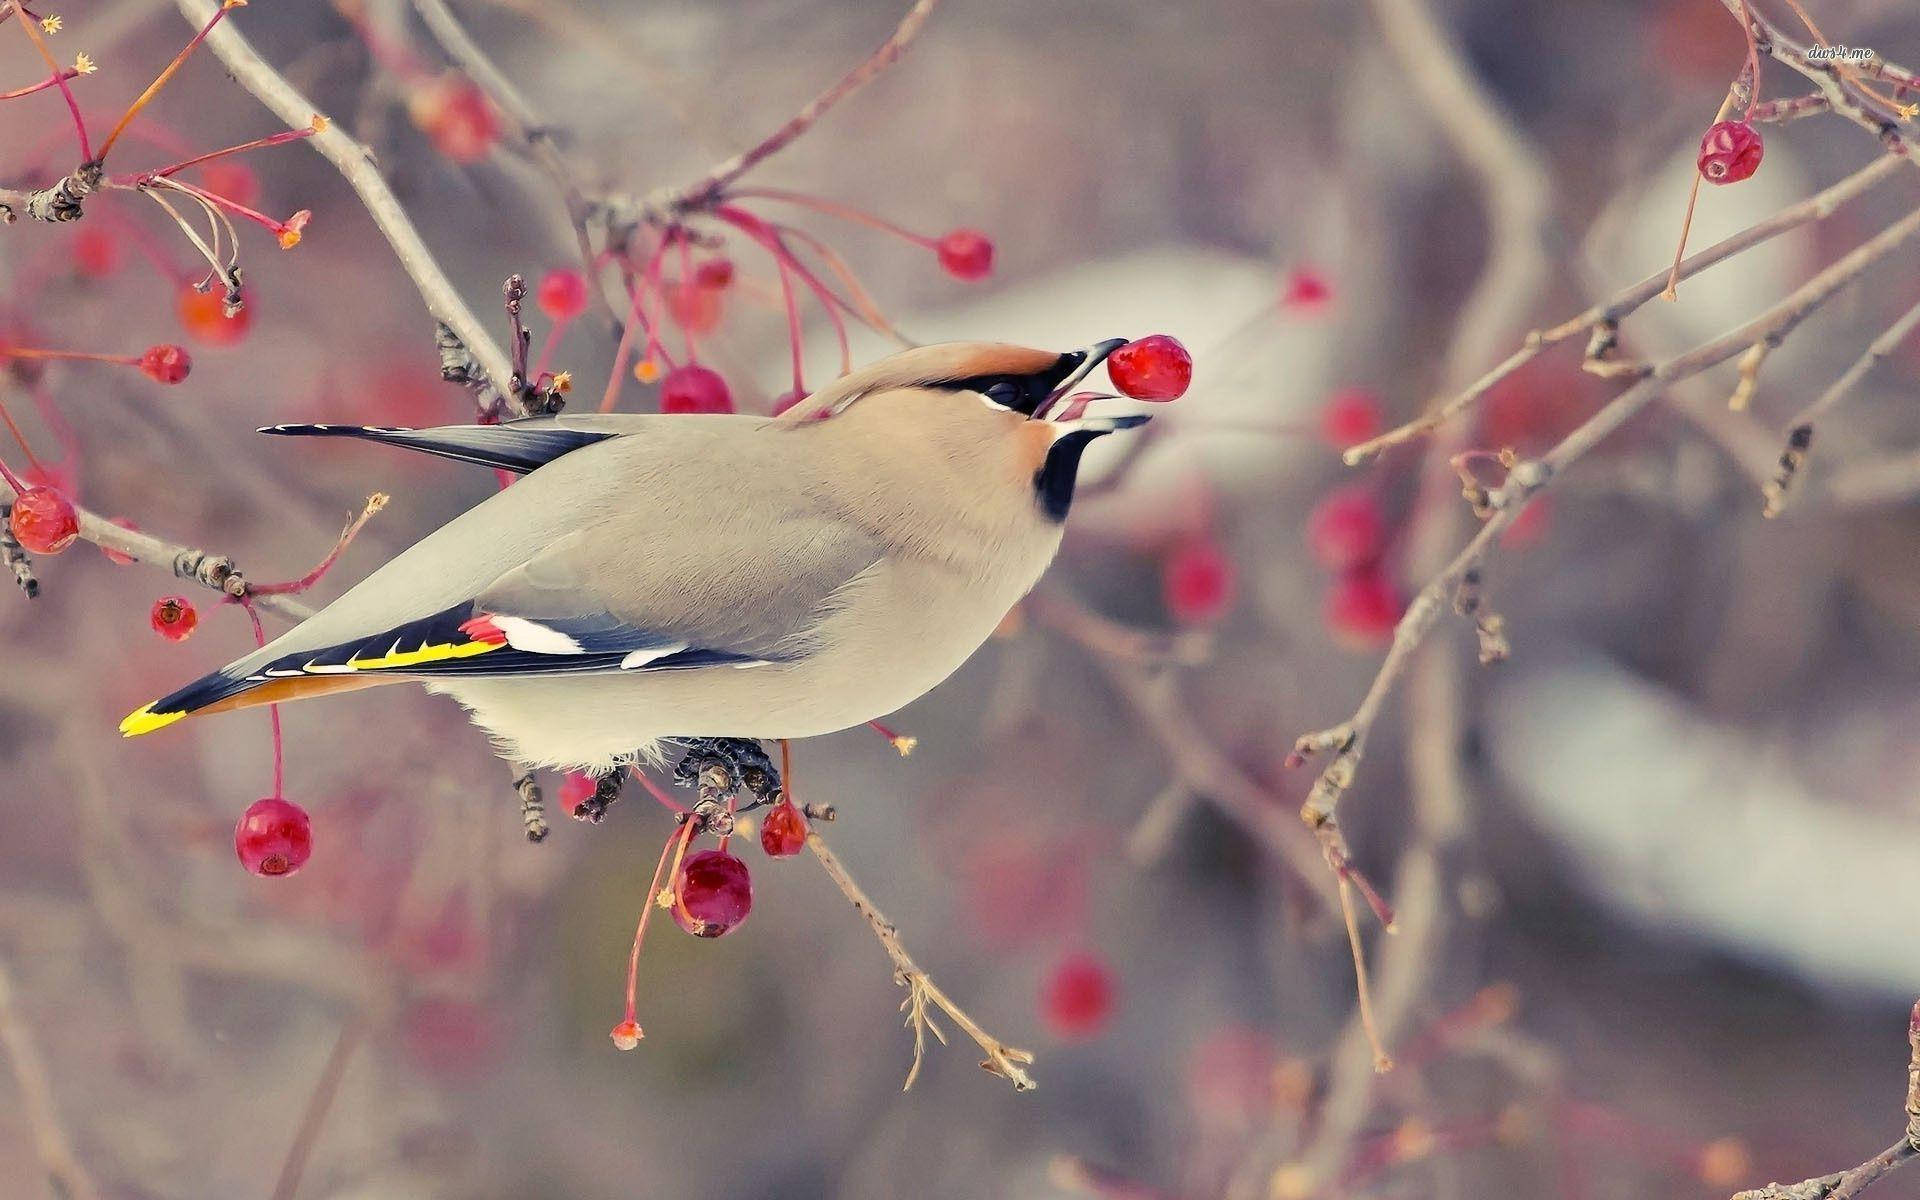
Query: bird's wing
{"points": [[518, 446]]}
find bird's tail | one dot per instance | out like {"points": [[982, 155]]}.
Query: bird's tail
{"points": [[231, 688]]}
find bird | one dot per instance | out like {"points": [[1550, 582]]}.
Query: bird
{"points": [[653, 578]]}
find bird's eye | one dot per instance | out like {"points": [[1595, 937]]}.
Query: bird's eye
{"points": [[1005, 393]]}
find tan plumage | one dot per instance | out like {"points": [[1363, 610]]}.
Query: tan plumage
{"points": [[734, 576]]}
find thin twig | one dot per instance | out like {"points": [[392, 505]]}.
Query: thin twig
{"points": [[318, 1105], [1003, 1060]]}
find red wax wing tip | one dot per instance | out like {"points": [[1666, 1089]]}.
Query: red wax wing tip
{"points": [[1730, 152], [274, 837], [1153, 368], [482, 629]]}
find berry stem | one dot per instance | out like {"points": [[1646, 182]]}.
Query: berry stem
{"points": [[1686, 224], [859, 303], [27, 23], [273, 710], [14, 429], [1382, 1061], [153, 89], [218, 201], [43, 85], [374, 504], [680, 837], [657, 792], [833, 208], [277, 139], [637, 288], [686, 285], [131, 360], [750, 225]]}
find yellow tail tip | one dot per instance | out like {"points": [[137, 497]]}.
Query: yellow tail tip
{"points": [[146, 721]]}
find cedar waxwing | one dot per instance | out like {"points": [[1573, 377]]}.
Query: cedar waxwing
{"points": [[657, 576]]}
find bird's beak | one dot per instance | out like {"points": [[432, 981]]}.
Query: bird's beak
{"points": [[1079, 363]]}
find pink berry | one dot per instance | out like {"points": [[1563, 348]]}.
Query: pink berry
{"points": [[1730, 152], [713, 894], [1346, 529], [715, 273], [966, 254], [43, 521], [1197, 583], [457, 118], [274, 837], [96, 252], [1306, 289], [1077, 999], [562, 294], [784, 832], [695, 389], [174, 618], [165, 364], [1363, 607], [1153, 368], [1351, 417]]}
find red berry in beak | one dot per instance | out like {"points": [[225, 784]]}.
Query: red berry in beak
{"points": [[174, 618], [784, 833], [274, 837], [43, 521], [562, 295], [713, 894], [1153, 368], [695, 389], [166, 364], [1730, 152], [966, 254]]}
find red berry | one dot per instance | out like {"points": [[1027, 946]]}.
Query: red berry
{"points": [[205, 317], [695, 389], [1363, 606], [784, 833], [715, 273], [1346, 530], [1077, 999], [562, 294], [174, 618], [166, 364], [575, 788], [693, 307], [713, 894], [43, 521], [1153, 368], [233, 180], [1196, 582], [96, 252], [457, 119], [274, 837], [1729, 152], [966, 254], [1352, 416], [1306, 289]]}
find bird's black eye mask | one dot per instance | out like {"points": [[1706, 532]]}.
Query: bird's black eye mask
{"points": [[1024, 394]]}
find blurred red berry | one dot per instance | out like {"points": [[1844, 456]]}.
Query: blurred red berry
{"points": [[274, 837], [456, 117], [166, 364], [966, 254], [448, 1036], [713, 894], [1730, 152], [174, 618], [695, 389], [114, 556], [693, 307], [235, 181], [575, 788], [1346, 529], [1076, 1001], [96, 251], [784, 832], [1197, 583], [1152, 368], [562, 294], [204, 316], [787, 399], [43, 521], [1363, 606], [715, 273], [1306, 289], [1351, 417]]}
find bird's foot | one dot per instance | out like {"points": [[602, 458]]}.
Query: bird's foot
{"points": [[606, 790], [533, 810], [726, 765]]}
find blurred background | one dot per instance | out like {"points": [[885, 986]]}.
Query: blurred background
{"points": [[1662, 862]]}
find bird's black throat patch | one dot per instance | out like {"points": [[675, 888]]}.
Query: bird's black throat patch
{"points": [[1053, 482]]}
